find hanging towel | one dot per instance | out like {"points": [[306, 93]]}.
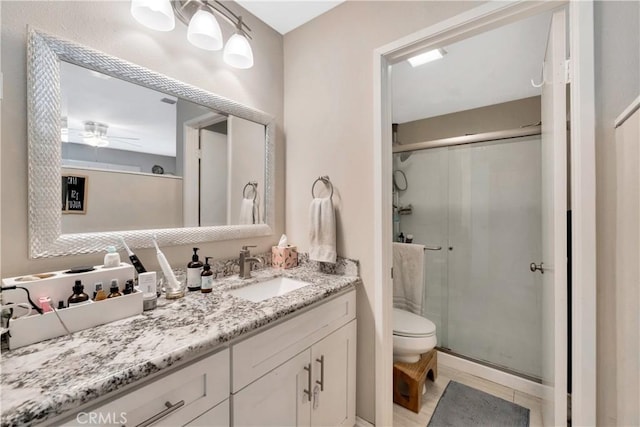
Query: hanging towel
{"points": [[249, 212], [408, 276], [322, 233]]}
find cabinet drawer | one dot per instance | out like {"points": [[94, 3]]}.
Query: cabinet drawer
{"points": [[261, 353], [190, 391], [216, 417]]}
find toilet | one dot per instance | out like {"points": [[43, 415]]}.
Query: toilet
{"points": [[413, 335]]}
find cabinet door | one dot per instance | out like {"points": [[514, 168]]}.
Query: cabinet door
{"points": [[278, 398], [334, 378]]}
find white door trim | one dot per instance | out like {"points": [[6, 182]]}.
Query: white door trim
{"points": [[476, 20], [583, 207]]}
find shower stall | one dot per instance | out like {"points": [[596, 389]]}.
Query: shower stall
{"points": [[477, 209]]}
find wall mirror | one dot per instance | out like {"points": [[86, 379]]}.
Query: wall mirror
{"points": [[153, 155]]}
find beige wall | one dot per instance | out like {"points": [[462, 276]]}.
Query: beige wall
{"points": [[503, 116], [109, 27], [125, 201], [329, 131], [617, 73], [244, 138]]}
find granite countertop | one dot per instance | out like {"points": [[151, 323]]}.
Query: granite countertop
{"points": [[46, 379]]}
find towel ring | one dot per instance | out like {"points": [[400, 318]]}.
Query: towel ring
{"points": [[325, 179], [253, 185]]}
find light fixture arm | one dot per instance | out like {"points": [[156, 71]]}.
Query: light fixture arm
{"points": [[185, 9]]}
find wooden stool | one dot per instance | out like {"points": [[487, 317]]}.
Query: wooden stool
{"points": [[413, 375]]}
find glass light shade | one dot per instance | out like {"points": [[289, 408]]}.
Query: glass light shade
{"points": [[96, 141], [237, 52], [204, 31], [154, 14]]}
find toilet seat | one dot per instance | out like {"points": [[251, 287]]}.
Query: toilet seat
{"points": [[406, 324]]}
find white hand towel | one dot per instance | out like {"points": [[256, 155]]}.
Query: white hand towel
{"points": [[246, 212], [322, 232], [408, 276]]}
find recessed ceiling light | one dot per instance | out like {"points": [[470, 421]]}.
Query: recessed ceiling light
{"points": [[429, 56]]}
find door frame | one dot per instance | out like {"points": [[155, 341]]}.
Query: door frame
{"points": [[191, 165], [582, 177]]}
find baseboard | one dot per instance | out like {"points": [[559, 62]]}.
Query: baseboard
{"points": [[362, 423], [491, 374]]}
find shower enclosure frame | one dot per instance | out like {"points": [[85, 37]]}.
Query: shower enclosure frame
{"points": [[582, 179]]}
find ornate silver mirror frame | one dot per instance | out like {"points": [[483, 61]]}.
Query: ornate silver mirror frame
{"points": [[44, 53]]}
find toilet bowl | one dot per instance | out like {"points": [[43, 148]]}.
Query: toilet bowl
{"points": [[413, 335]]}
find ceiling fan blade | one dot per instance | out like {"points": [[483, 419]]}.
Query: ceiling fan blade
{"points": [[123, 137]]}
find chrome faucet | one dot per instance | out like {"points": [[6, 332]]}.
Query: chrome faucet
{"points": [[245, 261]]}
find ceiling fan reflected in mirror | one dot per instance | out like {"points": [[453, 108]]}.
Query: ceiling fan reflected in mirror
{"points": [[95, 134]]}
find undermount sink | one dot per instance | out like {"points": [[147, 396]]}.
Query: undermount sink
{"points": [[261, 291]]}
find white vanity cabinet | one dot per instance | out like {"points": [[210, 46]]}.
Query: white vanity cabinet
{"points": [[300, 372], [313, 381]]}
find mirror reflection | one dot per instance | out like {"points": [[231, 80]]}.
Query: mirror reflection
{"points": [[149, 160]]}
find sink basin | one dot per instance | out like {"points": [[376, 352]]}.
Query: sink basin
{"points": [[264, 290]]}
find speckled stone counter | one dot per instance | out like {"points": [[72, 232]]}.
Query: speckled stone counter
{"points": [[46, 379]]}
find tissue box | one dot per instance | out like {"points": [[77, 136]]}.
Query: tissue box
{"points": [[284, 258]]}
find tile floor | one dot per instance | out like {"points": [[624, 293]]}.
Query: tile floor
{"points": [[405, 418]]}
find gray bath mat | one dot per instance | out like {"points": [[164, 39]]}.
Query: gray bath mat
{"points": [[462, 406]]}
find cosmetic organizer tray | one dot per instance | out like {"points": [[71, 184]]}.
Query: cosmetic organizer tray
{"points": [[59, 286]]}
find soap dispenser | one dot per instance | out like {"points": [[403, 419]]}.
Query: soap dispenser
{"points": [[78, 297], [207, 277], [194, 269]]}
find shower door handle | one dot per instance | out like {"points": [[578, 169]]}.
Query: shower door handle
{"points": [[533, 267]]}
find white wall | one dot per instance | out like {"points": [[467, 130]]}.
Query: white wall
{"points": [[329, 131], [617, 73], [109, 27]]}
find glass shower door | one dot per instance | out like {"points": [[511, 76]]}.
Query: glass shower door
{"points": [[427, 173], [495, 229]]}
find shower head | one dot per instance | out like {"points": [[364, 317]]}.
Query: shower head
{"points": [[404, 156]]}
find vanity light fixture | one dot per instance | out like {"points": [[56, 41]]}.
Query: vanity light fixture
{"points": [[425, 57], [203, 29]]}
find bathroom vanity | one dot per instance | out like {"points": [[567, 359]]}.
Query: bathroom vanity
{"points": [[203, 360]]}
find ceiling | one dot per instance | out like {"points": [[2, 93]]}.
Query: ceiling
{"points": [[490, 68], [284, 16], [136, 117]]}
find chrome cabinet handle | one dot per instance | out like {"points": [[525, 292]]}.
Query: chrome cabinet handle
{"points": [[321, 382], [533, 267], [308, 392], [160, 415]]}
